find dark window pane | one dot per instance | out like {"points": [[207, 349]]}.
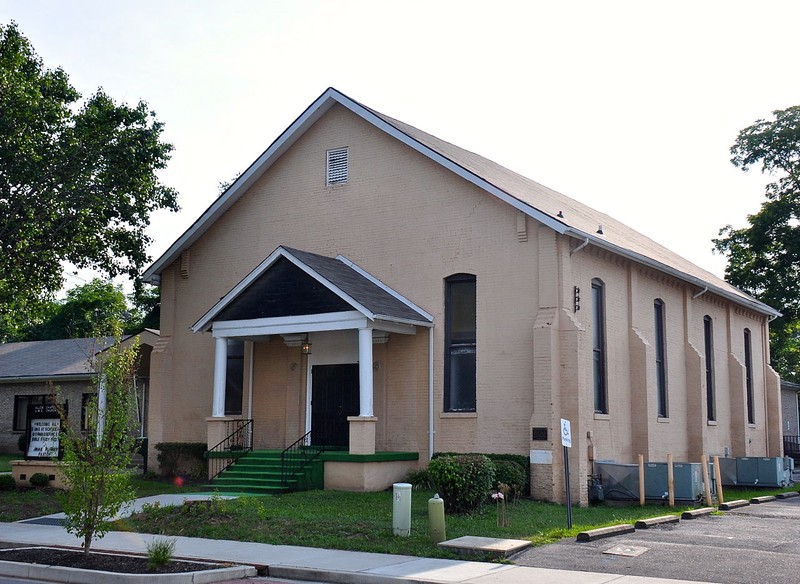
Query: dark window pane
{"points": [[599, 347], [661, 364], [234, 378], [748, 368], [460, 343], [708, 334], [462, 311], [462, 379]]}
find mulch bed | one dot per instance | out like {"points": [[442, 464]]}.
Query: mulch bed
{"points": [[99, 561]]}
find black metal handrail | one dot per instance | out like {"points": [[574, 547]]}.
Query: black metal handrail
{"points": [[237, 443], [791, 446], [296, 457]]}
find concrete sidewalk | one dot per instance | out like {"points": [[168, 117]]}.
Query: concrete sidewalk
{"points": [[299, 563]]}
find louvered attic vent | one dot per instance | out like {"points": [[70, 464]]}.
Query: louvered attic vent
{"points": [[337, 167]]}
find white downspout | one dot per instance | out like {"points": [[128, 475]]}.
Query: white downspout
{"points": [[431, 428], [580, 247]]}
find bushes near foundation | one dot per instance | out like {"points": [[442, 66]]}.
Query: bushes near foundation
{"points": [[182, 458], [464, 481]]}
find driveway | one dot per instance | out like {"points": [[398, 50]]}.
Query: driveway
{"points": [[751, 545]]}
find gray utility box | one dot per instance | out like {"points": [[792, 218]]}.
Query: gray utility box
{"points": [[687, 479], [621, 481], [749, 471]]}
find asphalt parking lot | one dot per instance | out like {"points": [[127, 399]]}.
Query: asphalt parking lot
{"points": [[751, 545]]}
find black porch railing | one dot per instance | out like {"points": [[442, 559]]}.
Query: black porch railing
{"points": [[791, 446], [237, 443], [296, 457]]}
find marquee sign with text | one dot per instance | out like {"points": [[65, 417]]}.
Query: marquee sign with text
{"points": [[44, 427]]}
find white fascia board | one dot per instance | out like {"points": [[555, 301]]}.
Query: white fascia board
{"points": [[289, 136], [467, 175], [750, 303], [309, 323], [393, 326], [204, 323], [353, 266]]}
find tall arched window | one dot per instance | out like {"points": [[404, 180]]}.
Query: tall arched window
{"points": [[661, 358], [708, 335], [599, 346], [748, 370], [460, 310]]}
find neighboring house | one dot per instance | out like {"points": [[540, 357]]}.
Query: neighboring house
{"points": [[33, 373], [790, 403], [387, 291]]}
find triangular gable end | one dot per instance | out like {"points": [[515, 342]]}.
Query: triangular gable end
{"points": [[292, 283]]}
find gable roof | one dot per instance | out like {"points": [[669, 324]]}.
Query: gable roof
{"points": [[49, 359], [562, 214], [363, 292]]}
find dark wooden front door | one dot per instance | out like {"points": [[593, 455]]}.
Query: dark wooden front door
{"points": [[334, 396]]}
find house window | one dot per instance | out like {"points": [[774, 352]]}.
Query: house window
{"points": [[234, 378], [21, 403], [748, 370], [460, 343], [661, 359], [708, 334], [599, 346], [87, 416], [337, 167]]}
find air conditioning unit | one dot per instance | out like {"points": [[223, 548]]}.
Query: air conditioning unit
{"points": [[727, 472], [687, 480], [620, 481], [747, 471], [773, 472]]}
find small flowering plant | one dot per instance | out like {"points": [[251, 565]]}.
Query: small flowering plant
{"points": [[500, 496]]}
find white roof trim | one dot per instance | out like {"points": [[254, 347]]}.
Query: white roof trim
{"points": [[355, 267], [308, 323]]}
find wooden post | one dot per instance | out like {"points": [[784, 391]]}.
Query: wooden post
{"points": [[670, 481], [706, 480], [718, 478], [641, 480]]}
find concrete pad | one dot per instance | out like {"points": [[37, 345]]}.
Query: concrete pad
{"points": [[733, 504], [765, 499], [695, 513], [628, 551], [595, 534], [469, 544], [526, 575], [653, 521]]}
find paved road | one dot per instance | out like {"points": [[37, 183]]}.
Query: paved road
{"points": [[751, 545]]}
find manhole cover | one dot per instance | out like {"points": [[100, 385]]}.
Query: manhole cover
{"points": [[630, 551]]}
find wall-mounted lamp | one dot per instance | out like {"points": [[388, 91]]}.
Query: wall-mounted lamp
{"points": [[305, 348]]}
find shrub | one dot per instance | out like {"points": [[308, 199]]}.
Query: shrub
{"points": [[160, 553], [39, 479], [420, 479], [22, 442], [464, 481], [510, 473], [521, 460], [182, 458], [7, 483]]}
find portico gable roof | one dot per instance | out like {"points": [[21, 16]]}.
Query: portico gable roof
{"points": [[361, 292]]}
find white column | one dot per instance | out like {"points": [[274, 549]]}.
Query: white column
{"points": [[101, 407], [220, 367], [365, 371]]}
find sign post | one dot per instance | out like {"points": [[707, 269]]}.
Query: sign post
{"points": [[566, 442]]}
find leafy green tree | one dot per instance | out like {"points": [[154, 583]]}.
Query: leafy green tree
{"points": [[78, 179], [95, 464], [764, 258]]}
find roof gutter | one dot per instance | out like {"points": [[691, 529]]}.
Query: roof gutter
{"points": [[750, 303], [43, 378]]}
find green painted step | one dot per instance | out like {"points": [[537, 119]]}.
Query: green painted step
{"points": [[258, 471]]}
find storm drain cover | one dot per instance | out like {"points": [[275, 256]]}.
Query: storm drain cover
{"points": [[46, 521], [630, 551]]}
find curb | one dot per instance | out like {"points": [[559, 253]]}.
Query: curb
{"points": [[764, 499], [602, 532], [789, 495], [653, 521], [730, 505], [695, 513]]}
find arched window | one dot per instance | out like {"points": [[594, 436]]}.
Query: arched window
{"points": [[708, 335], [661, 358], [460, 310], [599, 346]]}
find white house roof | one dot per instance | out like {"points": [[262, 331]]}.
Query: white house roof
{"points": [[557, 211]]}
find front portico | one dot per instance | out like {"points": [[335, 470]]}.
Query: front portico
{"points": [[321, 317]]}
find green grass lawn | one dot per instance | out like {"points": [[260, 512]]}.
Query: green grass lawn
{"points": [[363, 521], [5, 461]]}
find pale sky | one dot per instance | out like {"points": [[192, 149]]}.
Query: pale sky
{"points": [[630, 107]]}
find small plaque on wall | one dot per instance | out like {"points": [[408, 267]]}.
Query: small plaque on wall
{"points": [[539, 434]]}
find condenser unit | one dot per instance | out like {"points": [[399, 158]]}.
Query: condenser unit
{"points": [[773, 472], [747, 471], [620, 481], [687, 480], [728, 473]]}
